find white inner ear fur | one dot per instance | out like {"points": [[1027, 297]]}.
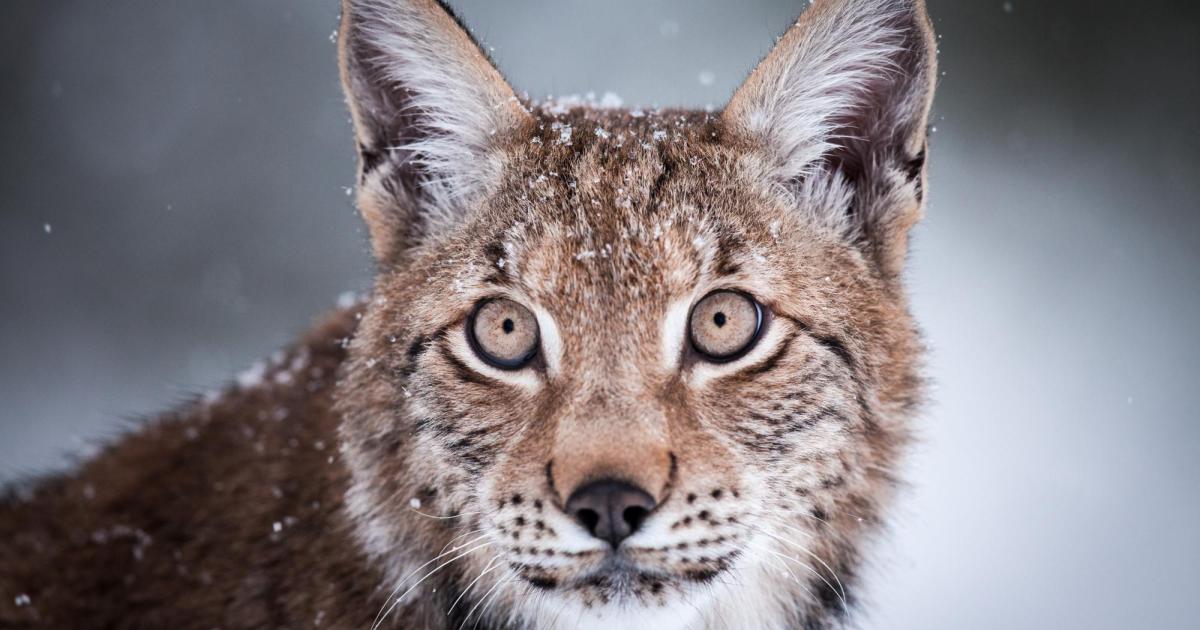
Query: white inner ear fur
{"points": [[462, 102], [794, 98]]}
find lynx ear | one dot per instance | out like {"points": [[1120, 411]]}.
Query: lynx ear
{"points": [[428, 109], [839, 108]]}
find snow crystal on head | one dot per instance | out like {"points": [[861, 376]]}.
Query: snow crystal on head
{"points": [[564, 132], [559, 105], [348, 299], [253, 376]]}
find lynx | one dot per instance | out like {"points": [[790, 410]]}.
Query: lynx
{"points": [[619, 368]]}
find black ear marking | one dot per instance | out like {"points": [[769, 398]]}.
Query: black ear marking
{"points": [[913, 168], [370, 158], [462, 24]]}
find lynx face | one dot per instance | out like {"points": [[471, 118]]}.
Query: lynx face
{"points": [[647, 367]]}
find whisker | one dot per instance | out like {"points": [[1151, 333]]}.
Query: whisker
{"points": [[483, 613], [811, 554], [511, 575], [427, 576], [860, 518], [794, 529], [482, 573], [795, 579], [383, 614], [446, 518], [400, 583], [814, 517], [458, 537], [806, 566], [561, 608]]}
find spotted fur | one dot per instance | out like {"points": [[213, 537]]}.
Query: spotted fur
{"points": [[770, 473]]}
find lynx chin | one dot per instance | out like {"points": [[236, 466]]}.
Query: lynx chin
{"points": [[619, 368]]}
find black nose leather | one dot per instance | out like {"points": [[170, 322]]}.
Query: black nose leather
{"points": [[609, 509]]}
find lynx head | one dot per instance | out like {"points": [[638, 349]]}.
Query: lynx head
{"points": [[633, 365]]}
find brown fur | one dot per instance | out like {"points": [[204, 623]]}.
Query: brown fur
{"points": [[174, 526], [604, 221]]}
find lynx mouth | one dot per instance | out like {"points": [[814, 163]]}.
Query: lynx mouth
{"points": [[620, 577]]}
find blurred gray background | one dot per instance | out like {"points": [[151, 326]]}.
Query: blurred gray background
{"points": [[173, 206]]}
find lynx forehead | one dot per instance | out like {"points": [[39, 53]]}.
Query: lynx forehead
{"points": [[635, 367]]}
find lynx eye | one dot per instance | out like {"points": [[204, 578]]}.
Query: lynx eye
{"points": [[725, 325], [503, 333]]}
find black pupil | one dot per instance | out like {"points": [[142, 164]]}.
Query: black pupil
{"points": [[508, 326], [719, 319]]}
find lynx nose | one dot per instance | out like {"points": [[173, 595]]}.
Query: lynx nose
{"points": [[609, 509]]}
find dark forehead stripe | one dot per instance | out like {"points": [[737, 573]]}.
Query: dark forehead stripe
{"points": [[494, 253], [421, 343], [439, 339], [731, 246], [598, 181], [665, 175], [838, 348], [829, 342], [416, 349]]}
